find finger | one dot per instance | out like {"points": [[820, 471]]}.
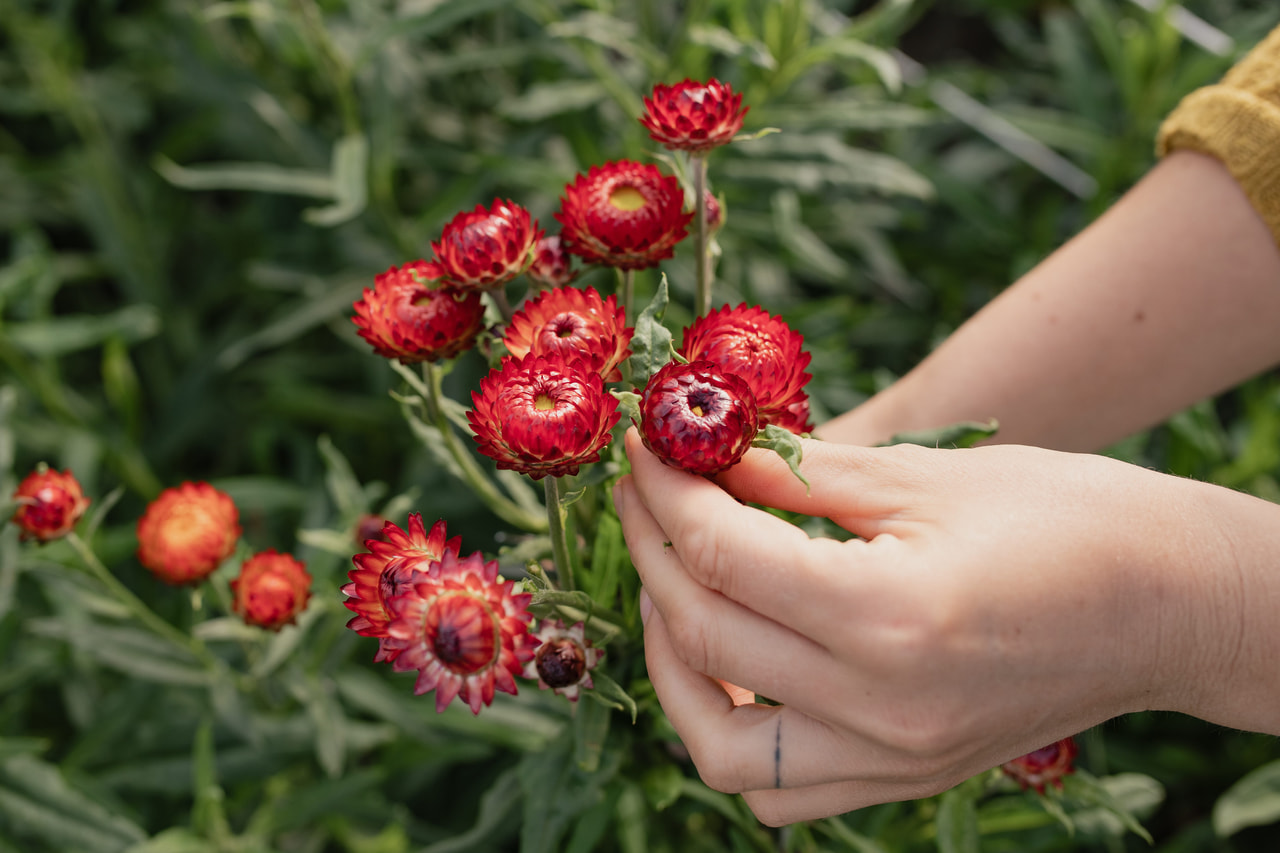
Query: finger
{"points": [[789, 805]]}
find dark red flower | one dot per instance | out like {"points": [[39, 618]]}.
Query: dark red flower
{"points": [[272, 590], [715, 214], [1045, 766], [187, 532], [765, 352], [624, 215], [484, 249], [693, 117], [564, 659], [697, 417], [552, 264], [572, 323], [412, 315], [49, 504], [542, 415]]}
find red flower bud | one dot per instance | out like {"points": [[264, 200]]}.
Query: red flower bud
{"points": [[187, 532], [49, 504], [1045, 766], [272, 590], [697, 417], [693, 117]]}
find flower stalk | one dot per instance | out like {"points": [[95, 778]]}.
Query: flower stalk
{"points": [[627, 290], [559, 536], [701, 243]]}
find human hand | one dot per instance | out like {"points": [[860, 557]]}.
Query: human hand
{"points": [[999, 599]]}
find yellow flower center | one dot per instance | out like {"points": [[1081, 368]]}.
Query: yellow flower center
{"points": [[543, 403], [627, 198], [697, 410]]}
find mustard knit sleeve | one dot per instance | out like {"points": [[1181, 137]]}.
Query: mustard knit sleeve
{"points": [[1238, 122]]}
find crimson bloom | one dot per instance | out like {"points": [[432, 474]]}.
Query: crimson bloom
{"points": [[187, 532], [463, 628], [563, 659], [49, 504], [697, 417], [623, 214], [552, 264], [413, 315], [1045, 766], [542, 415], [692, 116], [572, 322], [271, 590], [484, 249]]}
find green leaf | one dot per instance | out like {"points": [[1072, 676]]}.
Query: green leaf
{"points": [[651, 343], [347, 493], [964, 434], [1254, 800], [556, 791], [176, 840], [35, 800], [957, 820], [74, 332], [662, 785], [786, 444], [610, 693], [350, 183], [1116, 800], [254, 177], [129, 650], [207, 815], [543, 100], [590, 729], [496, 815], [629, 402]]}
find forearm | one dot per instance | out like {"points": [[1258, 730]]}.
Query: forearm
{"points": [[1170, 297]]}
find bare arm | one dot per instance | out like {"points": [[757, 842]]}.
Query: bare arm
{"points": [[1171, 296]]}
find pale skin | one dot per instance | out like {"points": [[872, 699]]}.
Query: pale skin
{"points": [[1001, 598]]}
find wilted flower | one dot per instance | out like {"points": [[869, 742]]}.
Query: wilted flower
{"points": [[552, 264], [49, 504], [563, 659], [271, 591], [697, 417], [764, 352], [572, 323], [463, 628], [187, 532], [384, 572], [484, 249], [623, 214], [693, 117], [542, 415], [412, 315], [1045, 766]]}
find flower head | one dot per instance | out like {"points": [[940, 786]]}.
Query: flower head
{"points": [[463, 628], [693, 117], [764, 352], [563, 659], [49, 504], [413, 315], [484, 249], [1045, 766], [623, 214], [542, 415], [573, 323], [187, 532], [271, 591], [552, 264], [697, 417]]}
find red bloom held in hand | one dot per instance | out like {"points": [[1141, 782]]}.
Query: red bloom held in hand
{"points": [[762, 350], [484, 249], [463, 628], [49, 504], [187, 532], [542, 415], [563, 659], [552, 264], [697, 417], [693, 117], [412, 315], [572, 323], [624, 215], [386, 570], [271, 591], [1045, 766]]}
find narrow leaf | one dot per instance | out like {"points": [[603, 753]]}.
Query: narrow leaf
{"points": [[965, 434], [786, 444], [609, 692]]}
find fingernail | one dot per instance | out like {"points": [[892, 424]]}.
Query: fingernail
{"points": [[646, 606]]}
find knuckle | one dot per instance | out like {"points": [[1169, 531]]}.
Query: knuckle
{"points": [[689, 638], [767, 809], [704, 554]]}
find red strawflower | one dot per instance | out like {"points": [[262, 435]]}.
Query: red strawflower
{"points": [[552, 264], [187, 532], [383, 572], [412, 315], [563, 660], [49, 504], [765, 352], [572, 323], [484, 249], [693, 117], [271, 591], [623, 214], [697, 417], [542, 415], [1045, 766], [463, 628]]}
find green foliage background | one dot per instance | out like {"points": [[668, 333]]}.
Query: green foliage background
{"points": [[193, 194]]}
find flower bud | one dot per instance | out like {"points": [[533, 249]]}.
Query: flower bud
{"points": [[1045, 766], [272, 590], [49, 504], [187, 532]]}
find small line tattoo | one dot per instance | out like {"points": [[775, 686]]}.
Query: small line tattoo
{"points": [[777, 755]]}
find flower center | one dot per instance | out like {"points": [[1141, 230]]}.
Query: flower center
{"points": [[462, 632], [703, 403], [560, 662], [543, 403], [627, 198]]}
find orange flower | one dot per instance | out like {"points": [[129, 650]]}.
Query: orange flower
{"points": [[412, 315], [693, 117], [624, 215], [484, 249], [49, 504], [572, 323], [272, 590], [187, 532]]}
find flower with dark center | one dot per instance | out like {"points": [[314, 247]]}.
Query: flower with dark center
{"points": [[542, 415], [623, 214], [187, 532], [463, 628], [572, 323], [413, 315], [49, 504], [765, 352], [1045, 766], [697, 417], [563, 660], [484, 249], [692, 116], [271, 590], [552, 264]]}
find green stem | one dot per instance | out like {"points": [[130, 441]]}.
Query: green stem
{"points": [[628, 289], [702, 246], [503, 304], [559, 539]]}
